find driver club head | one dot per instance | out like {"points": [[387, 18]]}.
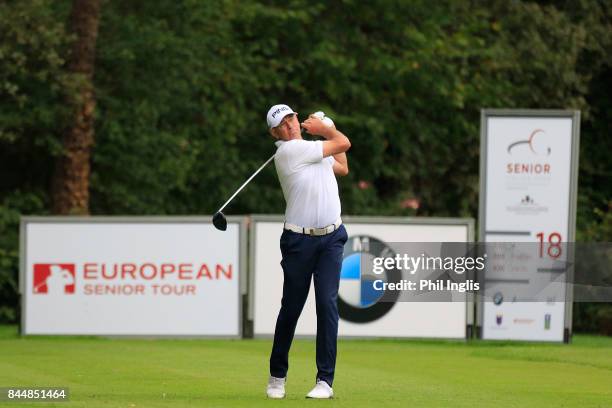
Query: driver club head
{"points": [[219, 221]]}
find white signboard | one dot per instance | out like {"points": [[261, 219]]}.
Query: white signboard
{"points": [[130, 276], [402, 319], [528, 195]]}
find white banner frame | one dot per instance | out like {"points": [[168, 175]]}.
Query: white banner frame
{"points": [[469, 223], [574, 116], [241, 221]]}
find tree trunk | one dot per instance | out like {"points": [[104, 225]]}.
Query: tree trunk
{"points": [[70, 186]]}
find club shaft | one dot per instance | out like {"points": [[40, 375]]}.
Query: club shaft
{"points": [[246, 182]]}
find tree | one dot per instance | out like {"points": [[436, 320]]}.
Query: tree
{"points": [[71, 178]]}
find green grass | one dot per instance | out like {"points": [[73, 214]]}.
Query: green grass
{"points": [[102, 372]]}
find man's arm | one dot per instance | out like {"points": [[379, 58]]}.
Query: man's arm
{"points": [[336, 142], [340, 164]]}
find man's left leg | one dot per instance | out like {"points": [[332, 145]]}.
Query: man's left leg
{"points": [[326, 282]]}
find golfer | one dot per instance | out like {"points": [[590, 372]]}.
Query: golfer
{"points": [[312, 240]]}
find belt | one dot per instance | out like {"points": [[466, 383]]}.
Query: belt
{"points": [[314, 231]]}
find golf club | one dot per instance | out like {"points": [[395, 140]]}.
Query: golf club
{"points": [[218, 219]]}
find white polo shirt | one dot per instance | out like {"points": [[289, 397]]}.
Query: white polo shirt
{"points": [[308, 182]]}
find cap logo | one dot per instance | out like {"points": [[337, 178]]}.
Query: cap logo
{"points": [[279, 110]]}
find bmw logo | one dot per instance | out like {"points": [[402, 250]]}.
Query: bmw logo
{"points": [[358, 301]]}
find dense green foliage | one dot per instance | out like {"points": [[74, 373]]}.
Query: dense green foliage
{"points": [[183, 88]]}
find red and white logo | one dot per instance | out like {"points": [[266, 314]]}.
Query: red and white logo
{"points": [[53, 278]]}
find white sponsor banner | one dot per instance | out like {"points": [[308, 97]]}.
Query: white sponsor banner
{"points": [[131, 277], [528, 171], [403, 319]]}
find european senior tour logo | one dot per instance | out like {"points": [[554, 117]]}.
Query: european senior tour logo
{"points": [[532, 146], [54, 279], [127, 278]]}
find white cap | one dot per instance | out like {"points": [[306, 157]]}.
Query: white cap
{"points": [[277, 113]]}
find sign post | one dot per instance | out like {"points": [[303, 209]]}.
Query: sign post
{"points": [[528, 189]]}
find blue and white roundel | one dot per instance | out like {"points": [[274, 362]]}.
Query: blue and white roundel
{"points": [[354, 289], [358, 302]]}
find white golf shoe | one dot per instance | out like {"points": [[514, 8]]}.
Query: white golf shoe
{"points": [[276, 387], [321, 390]]}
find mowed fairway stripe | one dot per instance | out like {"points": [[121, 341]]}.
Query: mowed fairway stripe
{"points": [[175, 373]]}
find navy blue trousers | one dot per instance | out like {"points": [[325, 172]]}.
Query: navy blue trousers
{"points": [[304, 257]]}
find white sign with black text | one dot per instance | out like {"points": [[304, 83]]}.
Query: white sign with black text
{"points": [[110, 277], [528, 173]]}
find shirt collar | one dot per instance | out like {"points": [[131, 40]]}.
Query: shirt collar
{"points": [[278, 143]]}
